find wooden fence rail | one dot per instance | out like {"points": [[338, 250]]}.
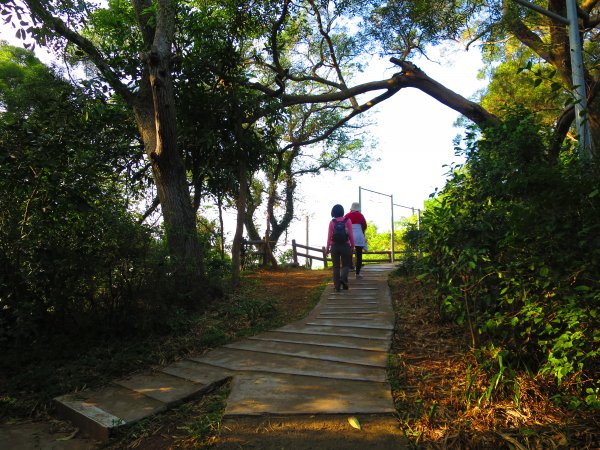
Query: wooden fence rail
{"points": [[254, 249], [321, 255], [307, 255]]}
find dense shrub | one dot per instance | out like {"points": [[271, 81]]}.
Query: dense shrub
{"points": [[513, 245], [73, 256]]}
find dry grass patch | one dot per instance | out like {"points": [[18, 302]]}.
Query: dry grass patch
{"points": [[443, 395]]}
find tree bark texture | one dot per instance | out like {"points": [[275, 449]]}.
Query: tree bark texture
{"points": [[168, 168], [239, 226]]}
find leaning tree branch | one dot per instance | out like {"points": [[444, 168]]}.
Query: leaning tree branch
{"points": [[565, 120], [355, 112], [531, 40], [143, 12], [412, 76]]}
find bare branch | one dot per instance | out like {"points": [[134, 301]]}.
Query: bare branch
{"points": [[280, 72], [331, 48], [153, 206]]}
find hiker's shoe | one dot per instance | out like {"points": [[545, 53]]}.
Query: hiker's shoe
{"points": [[344, 286], [358, 276]]}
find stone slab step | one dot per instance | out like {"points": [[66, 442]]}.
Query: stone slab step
{"points": [[350, 331], [344, 313], [198, 372], [334, 299], [330, 306], [247, 360], [321, 352], [352, 307], [352, 315], [359, 313], [161, 386], [253, 394], [331, 362], [354, 323], [99, 413], [381, 345]]}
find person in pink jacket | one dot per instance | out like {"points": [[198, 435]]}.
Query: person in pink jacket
{"points": [[340, 243], [359, 227]]}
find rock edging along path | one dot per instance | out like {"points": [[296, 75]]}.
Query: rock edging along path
{"points": [[331, 362]]}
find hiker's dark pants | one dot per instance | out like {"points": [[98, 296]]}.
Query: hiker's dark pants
{"points": [[358, 250], [341, 256]]}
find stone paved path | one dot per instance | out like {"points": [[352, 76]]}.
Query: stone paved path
{"points": [[332, 362]]}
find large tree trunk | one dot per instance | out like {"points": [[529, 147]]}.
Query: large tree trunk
{"points": [[155, 113], [239, 228], [159, 134], [557, 54], [221, 226], [168, 168], [594, 121], [251, 227], [278, 227]]}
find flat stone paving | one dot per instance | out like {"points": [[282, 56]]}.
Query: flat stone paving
{"points": [[332, 362]]}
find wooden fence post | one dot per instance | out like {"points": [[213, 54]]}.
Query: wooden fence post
{"points": [[266, 249], [294, 252], [324, 257]]}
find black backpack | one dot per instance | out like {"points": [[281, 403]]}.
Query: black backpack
{"points": [[340, 234]]}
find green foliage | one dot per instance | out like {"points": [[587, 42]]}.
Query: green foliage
{"points": [[39, 370], [406, 243], [203, 427], [409, 27], [512, 246], [519, 81], [378, 242], [286, 257], [72, 254]]}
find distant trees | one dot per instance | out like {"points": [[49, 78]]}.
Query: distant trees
{"points": [[378, 242], [309, 144]]}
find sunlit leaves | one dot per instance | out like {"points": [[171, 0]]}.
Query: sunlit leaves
{"points": [[354, 422], [533, 86]]}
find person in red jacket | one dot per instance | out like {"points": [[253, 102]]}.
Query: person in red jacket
{"points": [[359, 227], [340, 242]]}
